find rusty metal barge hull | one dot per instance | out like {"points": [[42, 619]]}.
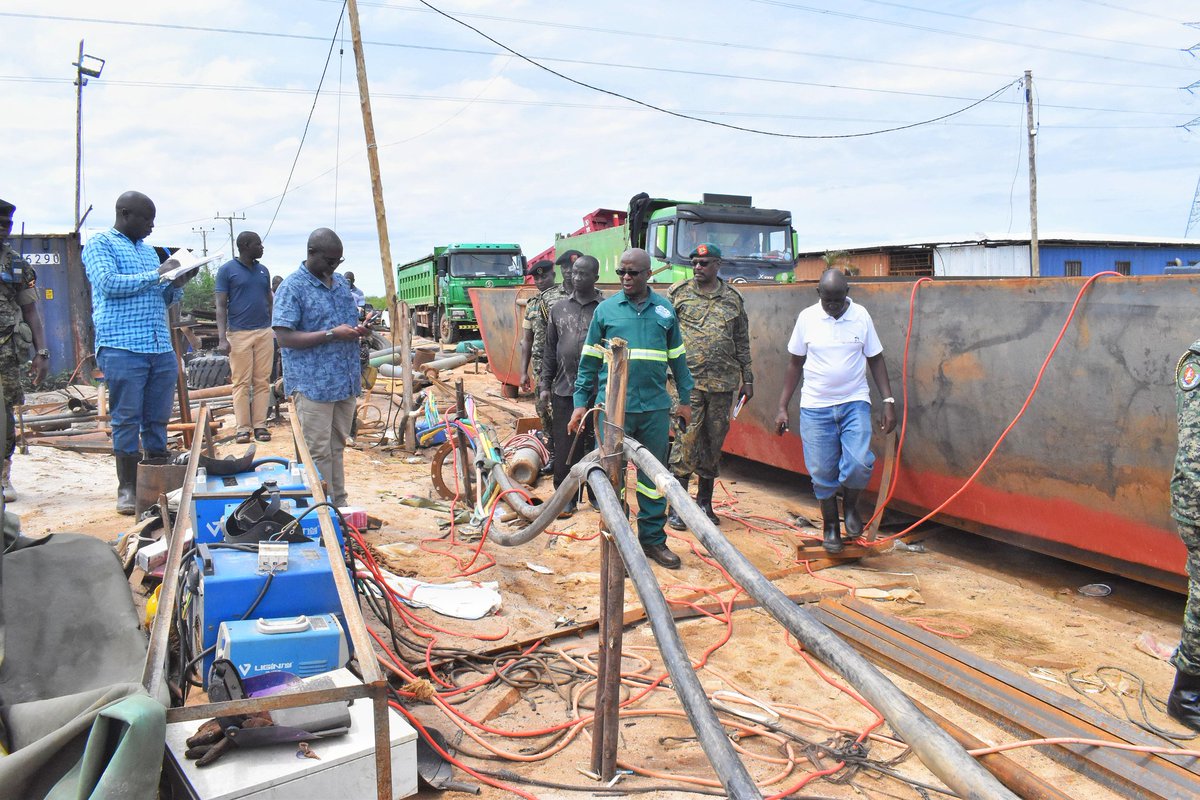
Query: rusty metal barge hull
{"points": [[1084, 475]]}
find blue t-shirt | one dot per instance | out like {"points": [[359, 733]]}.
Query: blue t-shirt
{"points": [[330, 371], [249, 291]]}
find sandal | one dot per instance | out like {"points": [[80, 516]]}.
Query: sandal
{"points": [[243, 437], [261, 434]]}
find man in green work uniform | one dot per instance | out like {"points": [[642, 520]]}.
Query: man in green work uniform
{"points": [[648, 323], [1184, 701], [717, 334], [533, 343], [20, 326]]}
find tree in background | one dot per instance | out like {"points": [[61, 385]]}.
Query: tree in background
{"points": [[199, 293], [839, 259]]}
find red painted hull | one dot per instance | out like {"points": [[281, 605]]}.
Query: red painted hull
{"points": [[1084, 475]]}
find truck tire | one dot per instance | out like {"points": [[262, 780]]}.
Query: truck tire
{"points": [[448, 331], [204, 372]]}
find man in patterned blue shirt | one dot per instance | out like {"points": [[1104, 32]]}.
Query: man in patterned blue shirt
{"points": [[316, 323], [133, 344]]}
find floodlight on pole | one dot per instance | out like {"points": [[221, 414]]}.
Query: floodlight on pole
{"points": [[88, 66]]}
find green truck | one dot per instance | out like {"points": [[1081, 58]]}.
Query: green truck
{"points": [[435, 287], [758, 244]]}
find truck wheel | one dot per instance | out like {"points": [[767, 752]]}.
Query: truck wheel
{"points": [[204, 372], [449, 332]]}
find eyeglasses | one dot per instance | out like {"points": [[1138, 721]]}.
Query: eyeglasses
{"points": [[333, 263], [630, 272], [701, 262]]}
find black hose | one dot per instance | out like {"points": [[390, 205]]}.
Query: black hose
{"points": [[725, 762], [540, 516], [939, 752]]}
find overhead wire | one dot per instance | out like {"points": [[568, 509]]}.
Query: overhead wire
{"points": [[307, 122]]}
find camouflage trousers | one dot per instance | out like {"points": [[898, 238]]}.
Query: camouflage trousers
{"points": [[544, 410], [14, 394], [1187, 656], [698, 449]]}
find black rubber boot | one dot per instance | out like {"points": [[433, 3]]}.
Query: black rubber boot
{"points": [[662, 555], [1183, 704], [854, 522], [704, 490], [673, 518], [833, 527], [127, 465]]}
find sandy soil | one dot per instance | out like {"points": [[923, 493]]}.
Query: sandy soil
{"points": [[1017, 609]]}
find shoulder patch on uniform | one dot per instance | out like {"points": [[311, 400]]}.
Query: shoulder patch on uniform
{"points": [[1187, 372], [1195, 347], [663, 312], [675, 287]]}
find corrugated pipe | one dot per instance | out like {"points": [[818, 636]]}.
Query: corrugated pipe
{"points": [[943, 756]]}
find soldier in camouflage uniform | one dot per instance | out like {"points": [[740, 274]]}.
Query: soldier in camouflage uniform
{"points": [[1184, 701], [716, 332], [20, 326], [533, 344]]}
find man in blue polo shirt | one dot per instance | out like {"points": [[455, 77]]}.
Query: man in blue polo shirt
{"points": [[316, 322], [832, 345], [243, 299], [133, 343]]}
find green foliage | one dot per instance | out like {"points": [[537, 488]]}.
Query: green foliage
{"points": [[198, 293], [377, 301]]}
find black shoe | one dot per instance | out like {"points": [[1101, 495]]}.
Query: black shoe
{"points": [[569, 511], [547, 468], [676, 521], [832, 526], [127, 482], [704, 490], [1183, 704], [662, 554], [854, 522]]}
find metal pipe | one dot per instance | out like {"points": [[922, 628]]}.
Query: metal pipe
{"points": [[944, 757], [725, 762], [540, 516]]}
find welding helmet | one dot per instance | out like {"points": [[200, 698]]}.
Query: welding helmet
{"points": [[259, 517]]}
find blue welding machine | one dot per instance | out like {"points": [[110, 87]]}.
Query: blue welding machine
{"points": [[301, 645], [216, 496], [231, 581]]}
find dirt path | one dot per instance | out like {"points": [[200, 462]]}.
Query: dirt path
{"points": [[1015, 608]]}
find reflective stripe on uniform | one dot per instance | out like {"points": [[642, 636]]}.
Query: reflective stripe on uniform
{"points": [[676, 352], [591, 350], [649, 491], [639, 354]]}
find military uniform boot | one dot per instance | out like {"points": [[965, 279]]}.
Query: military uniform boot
{"points": [[127, 482], [854, 523], [10, 494], [673, 518], [1183, 704], [704, 490], [832, 525]]}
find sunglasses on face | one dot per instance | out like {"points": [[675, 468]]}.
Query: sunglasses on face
{"points": [[701, 262], [632, 273]]}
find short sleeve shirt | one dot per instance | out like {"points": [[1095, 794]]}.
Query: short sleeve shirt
{"points": [[836, 353], [249, 290], [330, 371]]}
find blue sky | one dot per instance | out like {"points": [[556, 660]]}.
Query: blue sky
{"points": [[202, 106]]}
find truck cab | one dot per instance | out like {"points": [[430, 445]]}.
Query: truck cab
{"points": [[435, 287]]}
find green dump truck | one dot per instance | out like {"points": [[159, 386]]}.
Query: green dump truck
{"points": [[435, 287], [758, 244]]}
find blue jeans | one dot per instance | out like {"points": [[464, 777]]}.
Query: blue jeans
{"points": [[141, 391], [837, 446]]}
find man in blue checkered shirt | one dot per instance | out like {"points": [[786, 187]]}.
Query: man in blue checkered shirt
{"points": [[133, 344]]}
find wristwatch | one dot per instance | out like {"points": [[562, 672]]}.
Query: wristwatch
{"points": [[889, 400], [329, 335], [44, 352]]}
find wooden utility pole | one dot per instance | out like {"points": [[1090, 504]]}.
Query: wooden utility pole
{"points": [[399, 320], [1035, 268], [611, 427]]}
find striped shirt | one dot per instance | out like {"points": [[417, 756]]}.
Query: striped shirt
{"points": [[129, 300]]}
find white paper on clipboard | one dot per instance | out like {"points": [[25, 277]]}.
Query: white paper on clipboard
{"points": [[185, 262]]}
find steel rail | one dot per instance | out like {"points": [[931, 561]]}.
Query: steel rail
{"points": [[1130, 774]]}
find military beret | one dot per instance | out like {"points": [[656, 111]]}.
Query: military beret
{"points": [[566, 257], [540, 265], [706, 250], [6, 208]]}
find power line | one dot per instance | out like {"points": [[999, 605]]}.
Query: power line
{"points": [[550, 59], [956, 34], [1129, 10], [307, 122]]}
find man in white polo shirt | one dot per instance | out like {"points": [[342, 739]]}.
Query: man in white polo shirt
{"points": [[832, 345]]}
